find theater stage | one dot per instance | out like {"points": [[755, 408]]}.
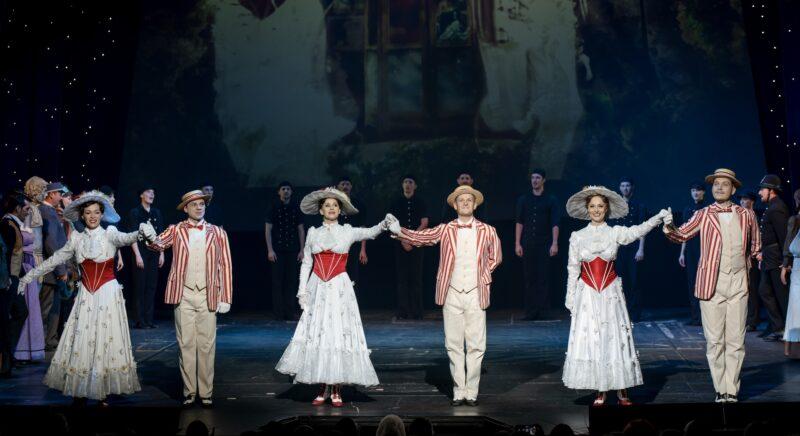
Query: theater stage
{"points": [[521, 382]]}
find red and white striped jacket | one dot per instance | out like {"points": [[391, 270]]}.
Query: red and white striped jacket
{"points": [[706, 222], [219, 271], [489, 255]]}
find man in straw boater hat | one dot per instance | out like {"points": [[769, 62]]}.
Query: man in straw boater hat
{"points": [[729, 238], [469, 252], [200, 286]]}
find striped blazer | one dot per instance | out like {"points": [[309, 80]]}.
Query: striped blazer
{"points": [[489, 255], [706, 222], [219, 271]]}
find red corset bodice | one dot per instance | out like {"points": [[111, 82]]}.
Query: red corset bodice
{"points": [[96, 274], [328, 264], [598, 273]]}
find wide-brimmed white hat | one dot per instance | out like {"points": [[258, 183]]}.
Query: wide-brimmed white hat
{"points": [[310, 203], [576, 205], [73, 211]]}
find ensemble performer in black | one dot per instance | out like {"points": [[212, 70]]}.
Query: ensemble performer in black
{"points": [[285, 237], [774, 223], [536, 241], [146, 261], [410, 210]]}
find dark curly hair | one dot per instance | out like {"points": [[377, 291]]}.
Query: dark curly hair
{"points": [[322, 202], [83, 207]]}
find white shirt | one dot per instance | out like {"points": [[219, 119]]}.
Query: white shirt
{"points": [[196, 266], [465, 269]]}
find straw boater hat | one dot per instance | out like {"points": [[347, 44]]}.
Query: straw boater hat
{"points": [[73, 211], [192, 196], [310, 203], [465, 189], [576, 205], [726, 173]]}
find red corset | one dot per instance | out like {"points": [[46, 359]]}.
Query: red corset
{"points": [[96, 274], [328, 264], [598, 273]]}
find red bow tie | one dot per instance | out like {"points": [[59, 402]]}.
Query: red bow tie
{"points": [[723, 209], [464, 226], [198, 227]]}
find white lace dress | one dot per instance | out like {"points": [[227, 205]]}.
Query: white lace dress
{"points": [[600, 355], [94, 357], [328, 345]]}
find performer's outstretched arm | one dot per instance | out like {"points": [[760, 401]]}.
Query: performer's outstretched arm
{"points": [[51, 263], [417, 238], [626, 235], [165, 239], [687, 231]]}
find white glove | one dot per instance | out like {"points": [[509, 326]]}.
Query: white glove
{"points": [[147, 232], [392, 224], [21, 288], [223, 307], [666, 216], [302, 299]]}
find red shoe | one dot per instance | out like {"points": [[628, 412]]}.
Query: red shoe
{"points": [[323, 395], [336, 397], [600, 400], [622, 398]]}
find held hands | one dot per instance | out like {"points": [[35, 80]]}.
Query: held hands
{"points": [[391, 223], [147, 232], [223, 307], [666, 216]]}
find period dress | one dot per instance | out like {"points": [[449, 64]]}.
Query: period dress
{"points": [[329, 344], [31, 340], [601, 355], [791, 332], [94, 357]]}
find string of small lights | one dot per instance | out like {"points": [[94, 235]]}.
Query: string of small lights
{"points": [[59, 91]]}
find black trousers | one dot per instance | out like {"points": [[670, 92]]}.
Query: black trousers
{"points": [[627, 267], [13, 313], [408, 266], [692, 261], [753, 298], [536, 267], [50, 303], [775, 296], [285, 276], [145, 282]]}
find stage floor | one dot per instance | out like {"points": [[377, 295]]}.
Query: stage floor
{"points": [[521, 382]]}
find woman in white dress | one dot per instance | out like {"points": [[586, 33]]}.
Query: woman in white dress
{"points": [[93, 358], [601, 355], [791, 251], [329, 346]]}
